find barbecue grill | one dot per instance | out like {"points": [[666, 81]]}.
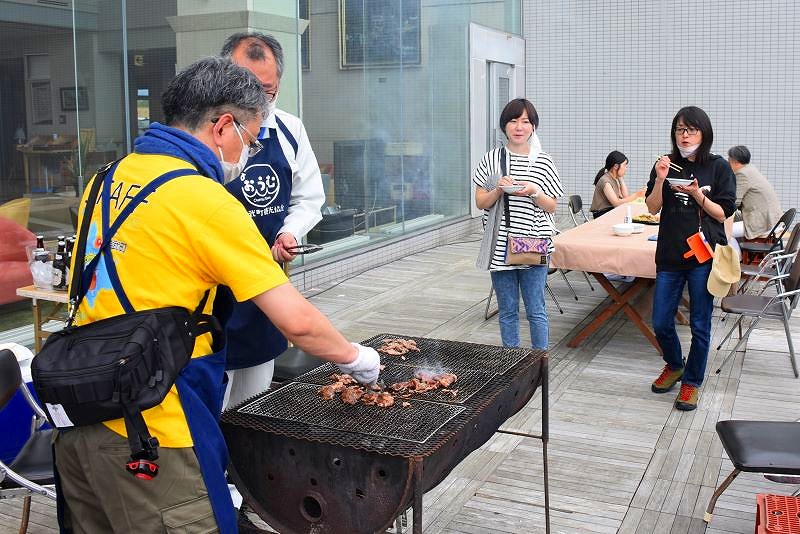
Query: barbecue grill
{"points": [[307, 465]]}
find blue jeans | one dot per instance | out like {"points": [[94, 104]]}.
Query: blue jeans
{"points": [[667, 296], [507, 286]]}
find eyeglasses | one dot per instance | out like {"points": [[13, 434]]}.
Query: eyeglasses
{"points": [[690, 130], [255, 145], [271, 94]]}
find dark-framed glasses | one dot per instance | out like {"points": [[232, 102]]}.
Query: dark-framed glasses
{"points": [[688, 130], [255, 146]]}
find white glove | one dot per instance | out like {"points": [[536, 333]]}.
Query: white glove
{"points": [[366, 367]]}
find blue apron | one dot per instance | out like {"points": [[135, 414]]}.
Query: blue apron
{"points": [[264, 189]]}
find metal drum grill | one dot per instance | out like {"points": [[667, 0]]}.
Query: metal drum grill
{"points": [[309, 465]]}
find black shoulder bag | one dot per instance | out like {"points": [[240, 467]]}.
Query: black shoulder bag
{"points": [[116, 367]]}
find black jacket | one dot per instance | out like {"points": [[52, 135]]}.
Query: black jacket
{"points": [[680, 213]]}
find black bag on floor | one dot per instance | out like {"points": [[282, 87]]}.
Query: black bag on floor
{"points": [[116, 367]]}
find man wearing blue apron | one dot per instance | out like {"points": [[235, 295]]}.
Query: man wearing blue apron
{"points": [[281, 189]]}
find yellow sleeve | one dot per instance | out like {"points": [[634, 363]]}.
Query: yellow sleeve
{"points": [[236, 253]]}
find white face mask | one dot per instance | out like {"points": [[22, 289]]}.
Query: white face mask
{"points": [[688, 151], [231, 171], [271, 107]]}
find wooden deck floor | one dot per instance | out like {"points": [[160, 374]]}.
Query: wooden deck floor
{"points": [[621, 458]]}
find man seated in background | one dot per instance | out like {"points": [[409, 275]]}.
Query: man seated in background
{"points": [[755, 197]]}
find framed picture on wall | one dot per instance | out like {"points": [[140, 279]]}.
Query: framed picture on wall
{"points": [[379, 32], [71, 102]]}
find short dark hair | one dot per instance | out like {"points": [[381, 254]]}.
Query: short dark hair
{"points": [[255, 48], [210, 87], [514, 109], [694, 116], [740, 153]]}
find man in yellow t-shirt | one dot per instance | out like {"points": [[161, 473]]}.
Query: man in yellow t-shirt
{"points": [[188, 236]]}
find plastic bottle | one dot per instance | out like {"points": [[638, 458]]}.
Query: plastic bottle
{"points": [[628, 217]]}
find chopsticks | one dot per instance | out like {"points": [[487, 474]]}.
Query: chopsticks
{"points": [[672, 166]]}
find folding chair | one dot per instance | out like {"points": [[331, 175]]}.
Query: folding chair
{"points": [[753, 249], [774, 263], [31, 471], [778, 307], [489, 313], [575, 207], [768, 447]]}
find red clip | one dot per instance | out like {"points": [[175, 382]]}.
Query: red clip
{"points": [[144, 469]]}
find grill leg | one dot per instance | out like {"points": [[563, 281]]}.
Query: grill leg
{"points": [[418, 491]]}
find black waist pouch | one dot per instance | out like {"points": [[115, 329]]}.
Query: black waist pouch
{"points": [[116, 367], [91, 372]]}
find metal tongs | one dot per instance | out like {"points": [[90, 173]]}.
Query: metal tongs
{"points": [[306, 248]]}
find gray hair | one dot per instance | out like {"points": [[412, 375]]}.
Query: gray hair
{"points": [[255, 48], [740, 153], [210, 87]]}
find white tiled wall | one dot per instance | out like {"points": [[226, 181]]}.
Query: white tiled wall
{"points": [[609, 75]]}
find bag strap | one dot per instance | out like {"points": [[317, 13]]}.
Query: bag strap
{"points": [[504, 172], [75, 286], [108, 233]]}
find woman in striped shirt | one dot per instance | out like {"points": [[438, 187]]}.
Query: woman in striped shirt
{"points": [[530, 211]]}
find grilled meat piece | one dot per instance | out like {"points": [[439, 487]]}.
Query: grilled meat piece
{"points": [[445, 380], [344, 378], [396, 346], [384, 399], [352, 394], [327, 392], [368, 399]]}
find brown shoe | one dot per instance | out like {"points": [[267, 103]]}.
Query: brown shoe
{"points": [[687, 398], [666, 380]]}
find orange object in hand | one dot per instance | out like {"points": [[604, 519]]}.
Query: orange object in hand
{"points": [[699, 248]]}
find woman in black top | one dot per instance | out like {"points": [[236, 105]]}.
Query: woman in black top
{"points": [[706, 202]]}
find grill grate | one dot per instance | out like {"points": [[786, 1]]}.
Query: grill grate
{"points": [[468, 382], [301, 403], [443, 354]]}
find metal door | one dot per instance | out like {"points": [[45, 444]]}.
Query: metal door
{"points": [[498, 95]]}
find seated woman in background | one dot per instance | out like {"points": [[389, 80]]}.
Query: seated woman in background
{"points": [[610, 190]]}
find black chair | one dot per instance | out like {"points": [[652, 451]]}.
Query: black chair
{"points": [[754, 249], [758, 307], [575, 207], [31, 471], [769, 447]]}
